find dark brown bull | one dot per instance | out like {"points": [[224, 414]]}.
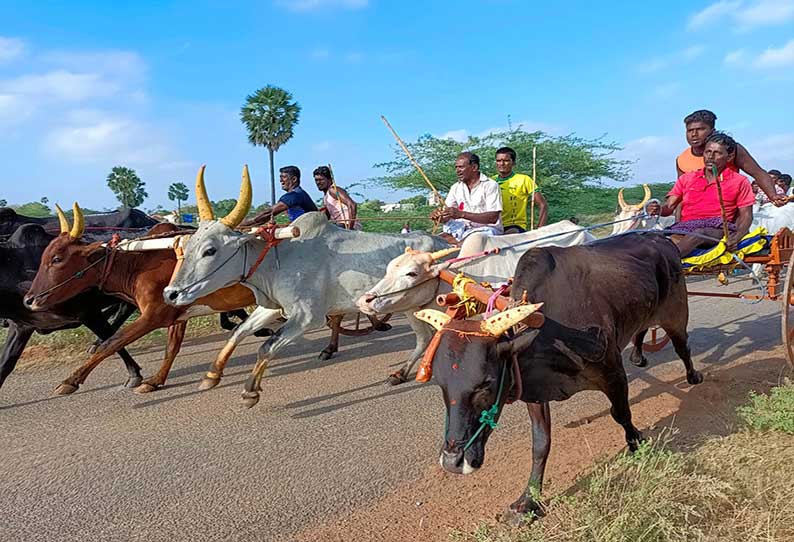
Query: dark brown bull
{"points": [[598, 298], [70, 266]]}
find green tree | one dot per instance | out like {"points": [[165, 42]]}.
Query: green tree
{"points": [[34, 209], [566, 165], [127, 186], [178, 192], [270, 115], [371, 205], [417, 201], [3, 203], [223, 207]]}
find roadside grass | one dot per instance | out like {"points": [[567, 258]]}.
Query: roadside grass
{"points": [[70, 345], [734, 488]]}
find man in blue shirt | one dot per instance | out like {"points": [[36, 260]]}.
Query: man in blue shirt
{"points": [[295, 202]]}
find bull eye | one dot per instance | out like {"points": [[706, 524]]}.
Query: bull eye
{"points": [[209, 252], [56, 259], [412, 274]]}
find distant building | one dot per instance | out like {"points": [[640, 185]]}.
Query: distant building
{"points": [[434, 199]]}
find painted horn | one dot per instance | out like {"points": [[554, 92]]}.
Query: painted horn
{"points": [[435, 318], [78, 227], [647, 196], [500, 323], [621, 201], [233, 219], [62, 219], [202, 201], [437, 255]]}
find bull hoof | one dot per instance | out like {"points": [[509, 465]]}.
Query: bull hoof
{"points": [[250, 398], [133, 382], [65, 389], [642, 361], [383, 326], [395, 379], [325, 355], [695, 377], [264, 332], [524, 510], [208, 383], [145, 388]]}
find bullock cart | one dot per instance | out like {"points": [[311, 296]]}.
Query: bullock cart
{"points": [[778, 256]]}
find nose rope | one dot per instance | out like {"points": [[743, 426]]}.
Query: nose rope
{"points": [[77, 275], [487, 417]]}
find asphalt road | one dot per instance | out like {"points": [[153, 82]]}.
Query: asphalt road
{"points": [[326, 437]]}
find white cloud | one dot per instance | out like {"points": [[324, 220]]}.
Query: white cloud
{"points": [[320, 54], [666, 91], [735, 57], [776, 58], [115, 64], [744, 15], [354, 57], [10, 49], [314, 5], [60, 85], [712, 12], [90, 136], [677, 58], [461, 135]]}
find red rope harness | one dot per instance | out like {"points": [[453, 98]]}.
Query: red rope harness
{"points": [[268, 234]]}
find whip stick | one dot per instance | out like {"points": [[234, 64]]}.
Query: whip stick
{"points": [[718, 178], [336, 190], [534, 187], [411, 158]]}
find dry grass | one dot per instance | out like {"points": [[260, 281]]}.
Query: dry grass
{"points": [[735, 488]]}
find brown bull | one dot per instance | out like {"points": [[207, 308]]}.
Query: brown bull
{"points": [[69, 266]]}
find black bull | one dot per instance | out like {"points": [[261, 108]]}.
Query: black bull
{"points": [[124, 219], [598, 298], [19, 261]]}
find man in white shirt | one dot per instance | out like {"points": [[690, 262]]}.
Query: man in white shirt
{"points": [[474, 203]]}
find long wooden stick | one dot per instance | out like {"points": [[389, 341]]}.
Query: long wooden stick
{"points": [[336, 190], [534, 187], [411, 158]]}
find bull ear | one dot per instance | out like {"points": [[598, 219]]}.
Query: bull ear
{"points": [[435, 318], [516, 345]]}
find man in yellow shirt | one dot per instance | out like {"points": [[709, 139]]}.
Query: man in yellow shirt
{"points": [[517, 189]]}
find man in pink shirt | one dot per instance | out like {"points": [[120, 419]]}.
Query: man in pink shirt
{"points": [[696, 193]]}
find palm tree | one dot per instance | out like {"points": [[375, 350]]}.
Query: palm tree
{"points": [[178, 192], [270, 115]]}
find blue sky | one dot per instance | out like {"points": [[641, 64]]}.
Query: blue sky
{"points": [[157, 86]]}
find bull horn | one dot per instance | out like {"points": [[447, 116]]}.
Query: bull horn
{"points": [[435, 318], [78, 227], [437, 255], [62, 219], [233, 219], [500, 323], [621, 201], [647, 190], [202, 201]]}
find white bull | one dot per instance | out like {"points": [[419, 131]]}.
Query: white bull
{"points": [[319, 274], [624, 222], [412, 281]]}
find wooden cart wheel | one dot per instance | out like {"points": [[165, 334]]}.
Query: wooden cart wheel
{"points": [[360, 332], [787, 321], [656, 339]]}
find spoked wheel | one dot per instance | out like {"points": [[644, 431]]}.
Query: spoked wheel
{"points": [[358, 331], [787, 299], [656, 339]]}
